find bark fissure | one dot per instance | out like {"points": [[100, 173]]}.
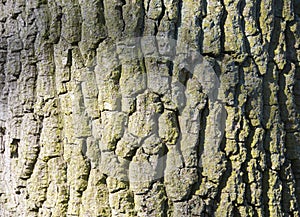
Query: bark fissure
{"points": [[149, 108]]}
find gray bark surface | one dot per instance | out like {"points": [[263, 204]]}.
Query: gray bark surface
{"points": [[149, 108]]}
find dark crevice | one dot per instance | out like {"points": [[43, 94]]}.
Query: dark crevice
{"points": [[222, 184], [179, 141], [274, 41], [14, 148], [84, 147], [163, 13], [296, 6], [265, 197], [290, 41], [244, 166], [286, 119], [248, 147], [203, 120], [2, 142], [223, 144], [155, 30], [257, 16], [178, 22], [266, 176], [120, 9], [184, 75], [236, 212], [222, 25], [204, 8], [200, 147], [141, 21], [267, 139], [241, 7], [296, 172], [289, 124], [100, 14], [287, 194], [69, 59], [283, 99]]}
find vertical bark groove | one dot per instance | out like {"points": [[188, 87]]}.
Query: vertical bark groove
{"points": [[149, 108]]}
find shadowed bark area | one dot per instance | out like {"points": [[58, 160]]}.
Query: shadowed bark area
{"points": [[149, 108]]}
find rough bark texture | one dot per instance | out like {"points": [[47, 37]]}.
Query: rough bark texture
{"points": [[83, 133]]}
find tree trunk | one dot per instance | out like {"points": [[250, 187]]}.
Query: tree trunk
{"points": [[149, 108]]}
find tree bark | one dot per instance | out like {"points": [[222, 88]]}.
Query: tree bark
{"points": [[149, 108]]}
